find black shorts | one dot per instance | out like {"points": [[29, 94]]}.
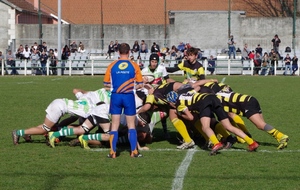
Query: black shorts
{"points": [[213, 106], [252, 107]]}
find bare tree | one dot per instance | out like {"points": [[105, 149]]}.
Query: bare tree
{"points": [[270, 8]]}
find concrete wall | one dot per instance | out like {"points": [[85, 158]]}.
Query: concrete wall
{"points": [[4, 27], [206, 30]]}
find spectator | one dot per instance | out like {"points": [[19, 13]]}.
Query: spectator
{"points": [[26, 53], [265, 64], [53, 63], [81, 48], [73, 47], [287, 60], [245, 52], [181, 46], [44, 47], [34, 57], [276, 41], [173, 51], [43, 60], [10, 60], [143, 47], [55, 52], [35, 45], [231, 45], [258, 49], [252, 55], [274, 60], [187, 46], [257, 63], [110, 49], [211, 64], [155, 48], [19, 54], [135, 47], [64, 57], [116, 46], [294, 64]]}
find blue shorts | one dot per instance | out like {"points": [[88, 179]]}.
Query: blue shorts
{"points": [[118, 102]]}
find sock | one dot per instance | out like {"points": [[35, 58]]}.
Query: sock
{"points": [[274, 132], [248, 140], [181, 128], [21, 132], [113, 139], [214, 139], [132, 136], [64, 132], [219, 129], [164, 125], [96, 136], [240, 123]]}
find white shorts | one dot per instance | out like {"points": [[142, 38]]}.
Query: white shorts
{"points": [[56, 109], [101, 111]]}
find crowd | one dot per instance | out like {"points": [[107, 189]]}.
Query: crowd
{"points": [[264, 62], [138, 100]]}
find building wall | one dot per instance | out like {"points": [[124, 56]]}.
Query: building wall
{"points": [[5, 28], [206, 30]]}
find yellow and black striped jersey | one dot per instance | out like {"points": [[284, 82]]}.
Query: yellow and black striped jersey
{"points": [[234, 102], [194, 102], [215, 87], [159, 95], [192, 71]]}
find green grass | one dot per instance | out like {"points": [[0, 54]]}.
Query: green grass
{"points": [[36, 166]]}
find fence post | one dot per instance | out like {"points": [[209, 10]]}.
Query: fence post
{"points": [[205, 66], [92, 67], [47, 67], [275, 68], [70, 67], [229, 67], [2, 67], [25, 68], [252, 65]]}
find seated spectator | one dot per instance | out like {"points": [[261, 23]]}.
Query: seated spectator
{"points": [[81, 48], [155, 48], [10, 60], [288, 65], [73, 47], [110, 49], [181, 46], [257, 63], [211, 64], [143, 47], [135, 47], [44, 47], [274, 60], [26, 53], [265, 64], [35, 45], [19, 54]]}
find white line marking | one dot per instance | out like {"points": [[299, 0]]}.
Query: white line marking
{"points": [[25, 82], [181, 171], [200, 150]]}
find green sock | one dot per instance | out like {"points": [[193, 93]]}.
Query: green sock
{"points": [[21, 132], [64, 132], [96, 136]]}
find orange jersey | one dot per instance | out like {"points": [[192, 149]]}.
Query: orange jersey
{"points": [[122, 75]]}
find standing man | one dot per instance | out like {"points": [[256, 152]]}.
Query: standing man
{"points": [[276, 41], [10, 58], [231, 46], [121, 77]]}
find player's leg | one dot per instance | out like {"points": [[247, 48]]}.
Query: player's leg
{"points": [[181, 128]]}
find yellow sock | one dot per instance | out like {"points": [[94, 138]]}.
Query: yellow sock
{"points": [[214, 139], [219, 129], [276, 134], [240, 140], [248, 140], [240, 123], [181, 128], [198, 126]]}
